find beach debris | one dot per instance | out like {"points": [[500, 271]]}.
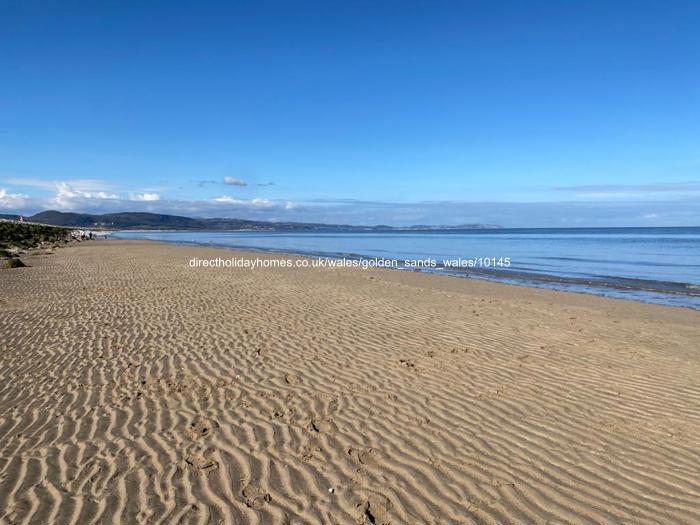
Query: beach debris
{"points": [[331, 490]]}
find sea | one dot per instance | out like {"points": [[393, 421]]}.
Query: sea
{"points": [[656, 265]]}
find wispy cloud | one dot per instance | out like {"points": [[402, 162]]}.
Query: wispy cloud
{"points": [[633, 191], [148, 197], [203, 183], [646, 188], [662, 206], [231, 181], [258, 203], [87, 185]]}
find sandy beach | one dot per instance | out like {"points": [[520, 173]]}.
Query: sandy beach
{"points": [[137, 389]]}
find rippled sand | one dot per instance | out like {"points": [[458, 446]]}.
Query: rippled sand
{"points": [[135, 389]]}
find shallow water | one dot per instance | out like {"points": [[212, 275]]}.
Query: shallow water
{"points": [[659, 265]]}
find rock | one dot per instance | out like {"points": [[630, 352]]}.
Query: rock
{"points": [[13, 262]]}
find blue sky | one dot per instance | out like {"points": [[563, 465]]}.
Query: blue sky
{"points": [[395, 112]]}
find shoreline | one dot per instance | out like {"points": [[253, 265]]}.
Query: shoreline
{"points": [[662, 295], [136, 389]]}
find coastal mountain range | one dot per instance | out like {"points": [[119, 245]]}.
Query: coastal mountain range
{"points": [[156, 221]]}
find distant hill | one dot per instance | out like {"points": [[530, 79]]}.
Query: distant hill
{"points": [[115, 220], [155, 221]]}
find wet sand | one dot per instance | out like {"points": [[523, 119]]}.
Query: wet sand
{"points": [[136, 389]]}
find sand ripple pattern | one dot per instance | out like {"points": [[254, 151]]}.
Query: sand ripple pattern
{"points": [[135, 390]]}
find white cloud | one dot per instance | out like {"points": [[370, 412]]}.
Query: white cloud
{"points": [[144, 197], [69, 197], [72, 194], [231, 181], [225, 199], [12, 200], [255, 203], [90, 196]]}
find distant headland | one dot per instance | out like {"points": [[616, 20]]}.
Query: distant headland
{"points": [[157, 221]]}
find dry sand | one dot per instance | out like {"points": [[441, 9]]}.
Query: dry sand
{"points": [[135, 389]]}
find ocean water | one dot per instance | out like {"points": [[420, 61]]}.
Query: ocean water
{"points": [[659, 265]]}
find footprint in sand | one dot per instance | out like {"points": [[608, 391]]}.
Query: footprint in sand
{"points": [[292, 379], [200, 464], [201, 428], [255, 497], [310, 453], [320, 425], [375, 511], [408, 363], [364, 457]]}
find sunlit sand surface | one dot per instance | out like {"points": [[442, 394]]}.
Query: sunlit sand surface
{"points": [[135, 389]]}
